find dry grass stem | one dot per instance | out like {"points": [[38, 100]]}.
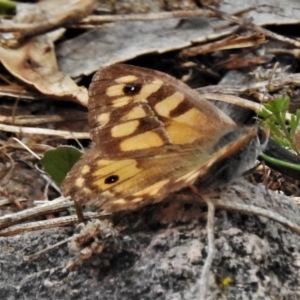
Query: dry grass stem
{"points": [[44, 131]]}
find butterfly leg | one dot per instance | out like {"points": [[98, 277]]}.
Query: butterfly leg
{"points": [[92, 238]]}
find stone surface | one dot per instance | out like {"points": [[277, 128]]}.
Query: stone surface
{"points": [[162, 254]]}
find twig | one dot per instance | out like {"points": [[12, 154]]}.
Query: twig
{"points": [[234, 100], [48, 25], [56, 205], [240, 102], [44, 131], [277, 84], [8, 201], [203, 284], [37, 254], [15, 92], [52, 223], [27, 148], [94, 20], [231, 42], [8, 174], [29, 120], [258, 211], [256, 28]]}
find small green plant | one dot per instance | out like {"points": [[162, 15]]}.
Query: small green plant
{"points": [[284, 127]]}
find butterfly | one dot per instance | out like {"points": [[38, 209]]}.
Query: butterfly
{"points": [[153, 135]]}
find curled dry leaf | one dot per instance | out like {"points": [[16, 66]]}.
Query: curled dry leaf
{"points": [[42, 17], [35, 63]]}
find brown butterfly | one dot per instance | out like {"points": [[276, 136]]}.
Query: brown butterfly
{"points": [[153, 135]]}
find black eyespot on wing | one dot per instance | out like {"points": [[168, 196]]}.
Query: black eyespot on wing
{"points": [[132, 89], [111, 179]]}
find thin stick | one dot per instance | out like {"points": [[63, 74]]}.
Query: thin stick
{"points": [[8, 201], [94, 20], [257, 211], [234, 100], [37, 254], [51, 223], [42, 27], [240, 102], [225, 16], [56, 205], [45, 131], [203, 284], [27, 148]]}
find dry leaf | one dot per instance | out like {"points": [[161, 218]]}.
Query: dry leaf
{"points": [[35, 63], [126, 40]]}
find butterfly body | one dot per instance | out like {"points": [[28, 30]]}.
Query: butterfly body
{"points": [[153, 135]]}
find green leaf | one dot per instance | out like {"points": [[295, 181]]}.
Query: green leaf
{"points": [[278, 105], [294, 123], [279, 108], [282, 142], [58, 162], [275, 130], [7, 6], [282, 131], [266, 114]]}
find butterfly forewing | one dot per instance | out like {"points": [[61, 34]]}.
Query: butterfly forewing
{"points": [[133, 109]]}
